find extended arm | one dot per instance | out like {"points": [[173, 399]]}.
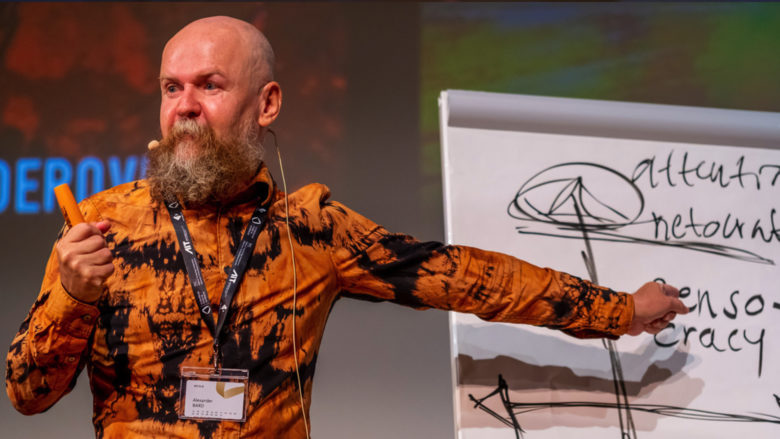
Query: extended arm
{"points": [[378, 265]]}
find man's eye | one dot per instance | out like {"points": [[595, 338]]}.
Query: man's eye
{"points": [[171, 89], [210, 86]]}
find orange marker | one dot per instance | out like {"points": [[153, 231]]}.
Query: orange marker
{"points": [[70, 210]]}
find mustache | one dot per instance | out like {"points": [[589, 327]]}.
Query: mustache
{"points": [[196, 166], [188, 130]]}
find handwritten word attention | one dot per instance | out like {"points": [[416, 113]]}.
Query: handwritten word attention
{"points": [[741, 307], [679, 170]]}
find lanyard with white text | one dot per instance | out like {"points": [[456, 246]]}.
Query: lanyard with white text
{"points": [[240, 262]]}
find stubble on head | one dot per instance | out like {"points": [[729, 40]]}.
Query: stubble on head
{"points": [[196, 167]]}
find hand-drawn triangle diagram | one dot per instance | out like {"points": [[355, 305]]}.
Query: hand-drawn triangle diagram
{"points": [[588, 201], [609, 204]]}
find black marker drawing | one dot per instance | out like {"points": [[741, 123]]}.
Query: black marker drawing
{"points": [[517, 408], [588, 201], [609, 203]]}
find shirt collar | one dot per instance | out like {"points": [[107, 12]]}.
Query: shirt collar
{"points": [[261, 189]]}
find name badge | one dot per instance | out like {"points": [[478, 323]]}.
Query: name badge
{"points": [[209, 394]]}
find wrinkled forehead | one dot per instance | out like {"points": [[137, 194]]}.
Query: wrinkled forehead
{"points": [[198, 50]]}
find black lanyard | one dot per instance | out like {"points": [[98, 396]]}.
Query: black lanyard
{"points": [[243, 254]]}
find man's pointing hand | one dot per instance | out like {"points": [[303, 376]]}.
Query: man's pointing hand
{"points": [[655, 305]]}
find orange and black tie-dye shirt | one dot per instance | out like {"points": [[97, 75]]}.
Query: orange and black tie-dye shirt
{"points": [[147, 324]]}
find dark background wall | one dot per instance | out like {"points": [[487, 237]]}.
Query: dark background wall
{"points": [[360, 84]]}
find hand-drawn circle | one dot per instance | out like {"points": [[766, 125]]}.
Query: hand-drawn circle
{"points": [[604, 197]]}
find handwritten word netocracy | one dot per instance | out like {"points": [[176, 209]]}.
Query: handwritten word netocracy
{"points": [[741, 308], [680, 169], [678, 227]]}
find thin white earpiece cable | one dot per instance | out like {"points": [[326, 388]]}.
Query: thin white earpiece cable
{"points": [[295, 285]]}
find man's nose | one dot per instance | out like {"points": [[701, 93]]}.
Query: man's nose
{"points": [[188, 105]]}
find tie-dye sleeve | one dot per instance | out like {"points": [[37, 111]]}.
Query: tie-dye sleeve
{"points": [[51, 347], [48, 351], [374, 264]]}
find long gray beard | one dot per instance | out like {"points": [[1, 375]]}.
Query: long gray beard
{"points": [[212, 173]]}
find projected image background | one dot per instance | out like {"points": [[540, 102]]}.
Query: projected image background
{"points": [[699, 54], [83, 92]]}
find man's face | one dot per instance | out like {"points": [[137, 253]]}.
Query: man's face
{"points": [[205, 76]]}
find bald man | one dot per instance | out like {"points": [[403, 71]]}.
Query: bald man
{"points": [[197, 298]]}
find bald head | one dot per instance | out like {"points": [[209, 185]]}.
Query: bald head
{"points": [[218, 97], [232, 35], [219, 72]]}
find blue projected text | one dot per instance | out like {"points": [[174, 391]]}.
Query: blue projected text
{"points": [[27, 186]]}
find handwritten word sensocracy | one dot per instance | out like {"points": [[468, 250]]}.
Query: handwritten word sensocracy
{"points": [[741, 307], [735, 323]]}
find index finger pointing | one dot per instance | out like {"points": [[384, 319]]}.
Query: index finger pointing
{"points": [[670, 290], [679, 307]]}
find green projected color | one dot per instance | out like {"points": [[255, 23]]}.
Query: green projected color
{"points": [[700, 54]]}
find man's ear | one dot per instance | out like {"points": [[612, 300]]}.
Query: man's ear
{"points": [[270, 103]]}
